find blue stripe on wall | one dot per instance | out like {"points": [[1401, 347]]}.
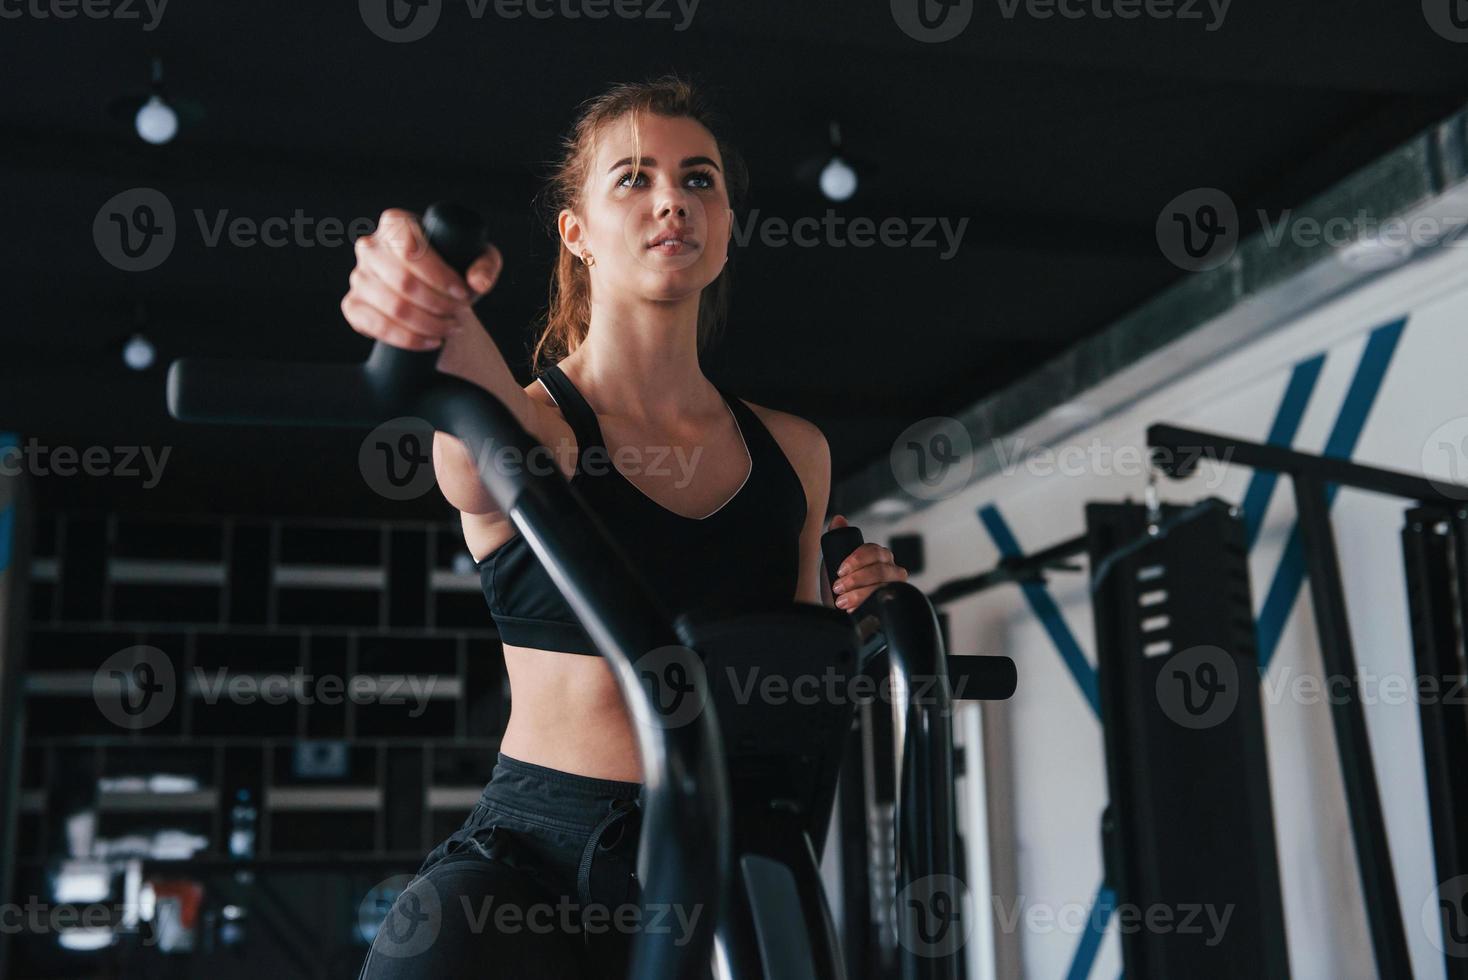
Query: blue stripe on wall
{"points": [[1365, 387], [1282, 433], [8, 440], [1090, 945], [1046, 610]]}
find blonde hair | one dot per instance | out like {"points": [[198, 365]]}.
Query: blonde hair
{"points": [[567, 319]]}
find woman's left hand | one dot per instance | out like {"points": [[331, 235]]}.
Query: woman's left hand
{"points": [[863, 572]]}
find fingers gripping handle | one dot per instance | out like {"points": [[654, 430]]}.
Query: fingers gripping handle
{"points": [[458, 235], [355, 395], [837, 545]]}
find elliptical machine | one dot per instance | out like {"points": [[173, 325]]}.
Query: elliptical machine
{"points": [[739, 785]]}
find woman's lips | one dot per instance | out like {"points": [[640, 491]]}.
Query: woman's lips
{"points": [[673, 246]]}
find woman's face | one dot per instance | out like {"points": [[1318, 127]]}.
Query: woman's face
{"points": [[658, 231]]}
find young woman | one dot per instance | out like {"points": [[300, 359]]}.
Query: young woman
{"points": [[719, 501]]}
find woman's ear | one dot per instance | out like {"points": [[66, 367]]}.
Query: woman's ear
{"points": [[571, 231]]}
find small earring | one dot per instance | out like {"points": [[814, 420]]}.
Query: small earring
{"points": [[587, 259]]}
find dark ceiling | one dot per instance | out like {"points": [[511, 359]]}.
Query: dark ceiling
{"points": [[1060, 140]]}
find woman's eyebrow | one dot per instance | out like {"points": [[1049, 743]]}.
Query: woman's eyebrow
{"points": [[650, 162]]}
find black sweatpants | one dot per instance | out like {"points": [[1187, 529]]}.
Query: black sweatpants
{"points": [[540, 882]]}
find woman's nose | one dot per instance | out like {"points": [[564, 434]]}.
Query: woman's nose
{"points": [[672, 205]]}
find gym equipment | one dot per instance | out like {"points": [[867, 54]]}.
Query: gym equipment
{"points": [[734, 833], [1435, 546], [1190, 824], [1315, 480]]}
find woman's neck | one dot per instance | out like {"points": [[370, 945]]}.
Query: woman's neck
{"points": [[640, 361]]}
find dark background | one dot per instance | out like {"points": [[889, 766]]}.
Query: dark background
{"points": [[1060, 140]]}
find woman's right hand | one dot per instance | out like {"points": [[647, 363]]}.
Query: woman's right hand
{"points": [[403, 294]]}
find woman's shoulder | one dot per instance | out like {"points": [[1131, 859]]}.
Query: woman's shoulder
{"points": [[803, 443]]}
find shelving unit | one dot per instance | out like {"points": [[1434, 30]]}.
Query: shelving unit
{"points": [[369, 641]]}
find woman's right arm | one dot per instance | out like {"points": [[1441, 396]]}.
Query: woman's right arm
{"points": [[403, 294]]}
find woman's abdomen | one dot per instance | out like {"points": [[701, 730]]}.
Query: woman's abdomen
{"points": [[566, 713]]}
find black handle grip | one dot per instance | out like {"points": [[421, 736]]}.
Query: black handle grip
{"points": [[458, 235], [982, 678], [836, 545], [272, 393]]}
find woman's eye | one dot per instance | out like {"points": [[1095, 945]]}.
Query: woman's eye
{"points": [[700, 179]]}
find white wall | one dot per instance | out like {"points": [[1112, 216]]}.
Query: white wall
{"points": [[1055, 739]]}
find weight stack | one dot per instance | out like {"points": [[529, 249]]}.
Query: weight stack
{"points": [[1189, 833]]}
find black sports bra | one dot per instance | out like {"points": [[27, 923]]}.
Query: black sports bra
{"points": [[747, 552]]}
